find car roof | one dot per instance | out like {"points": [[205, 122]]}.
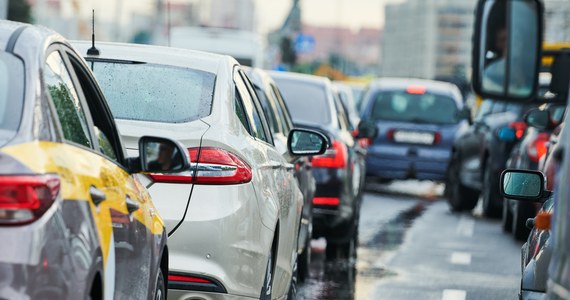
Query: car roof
{"points": [[199, 60], [311, 79], [439, 87]]}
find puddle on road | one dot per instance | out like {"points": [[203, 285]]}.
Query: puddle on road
{"points": [[337, 279]]}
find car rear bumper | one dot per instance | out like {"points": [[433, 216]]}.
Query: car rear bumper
{"points": [[407, 162], [189, 295]]}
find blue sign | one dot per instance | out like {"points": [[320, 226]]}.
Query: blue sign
{"points": [[304, 43]]}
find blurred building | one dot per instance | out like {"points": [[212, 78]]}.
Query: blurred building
{"points": [[239, 14], [428, 39], [557, 19]]}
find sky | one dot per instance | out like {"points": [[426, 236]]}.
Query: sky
{"points": [[353, 14]]}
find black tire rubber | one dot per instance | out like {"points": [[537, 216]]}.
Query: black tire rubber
{"points": [[507, 217], [304, 262], [292, 294], [343, 251], [267, 287], [491, 193], [459, 197], [521, 213], [160, 290]]}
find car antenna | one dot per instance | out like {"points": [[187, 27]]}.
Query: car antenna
{"points": [[93, 50]]}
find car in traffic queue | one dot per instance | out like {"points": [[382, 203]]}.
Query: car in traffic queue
{"points": [[78, 222], [336, 205], [233, 220], [280, 123], [417, 122], [526, 154]]}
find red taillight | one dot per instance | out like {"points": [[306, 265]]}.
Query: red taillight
{"points": [[390, 134], [24, 199], [519, 127], [335, 157], [214, 166], [328, 201], [436, 138], [416, 90], [538, 148], [188, 279]]}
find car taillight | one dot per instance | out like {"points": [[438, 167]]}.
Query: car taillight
{"points": [[326, 201], [362, 142], [436, 138], [24, 199], [188, 279], [538, 147], [390, 134], [519, 128], [214, 166], [334, 157]]}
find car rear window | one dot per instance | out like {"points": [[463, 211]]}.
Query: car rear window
{"points": [[11, 96], [417, 108], [306, 102], [156, 93]]}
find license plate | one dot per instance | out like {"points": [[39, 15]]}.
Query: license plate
{"points": [[414, 137]]}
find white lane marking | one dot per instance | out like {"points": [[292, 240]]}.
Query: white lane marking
{"points": [[454, 295], [460, 258], [466, 226]]}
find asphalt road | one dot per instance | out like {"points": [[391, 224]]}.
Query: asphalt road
{"points": [[412, 247]]}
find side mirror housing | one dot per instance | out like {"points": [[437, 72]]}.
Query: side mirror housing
{"points": [[160, 155], [507, 49], [305, 142], [366, 130], [465, 114], [524, 185], [538, 118]]}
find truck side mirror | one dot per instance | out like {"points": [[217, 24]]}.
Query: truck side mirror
{"points": [[507, 49]]}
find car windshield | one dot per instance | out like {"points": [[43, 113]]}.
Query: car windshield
{"points": [[418, 108], [307, 102], [11, 96], [156, 93]]}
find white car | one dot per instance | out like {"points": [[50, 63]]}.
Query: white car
{"points": [[233, 221]]}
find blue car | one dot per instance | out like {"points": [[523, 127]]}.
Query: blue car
{"points": [[417, 122]]}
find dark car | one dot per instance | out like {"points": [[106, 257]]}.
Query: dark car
{"points": [[280, 123], [526, 155], [417, 122], [480, 155], [336, 211]]}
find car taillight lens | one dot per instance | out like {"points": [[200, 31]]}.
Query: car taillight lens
{"points": [[335, 157], [24, 199], [390, 134], [436, 138], [326, 201], [214, 166], [519, 128], [538, 147]]}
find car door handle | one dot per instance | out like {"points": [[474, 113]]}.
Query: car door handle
{"points": [[132, 205], [275, 166], [97, 196]]}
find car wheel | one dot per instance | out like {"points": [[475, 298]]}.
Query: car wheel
{"points": [[521, 213], [160, 290], [490, 192], [507, 217], [267, 287], [459, 197], [304, 262], [344, 250], [292, 295]]}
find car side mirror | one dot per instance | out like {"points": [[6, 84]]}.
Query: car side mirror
{"points": [[465, 114], [305, 142], [160, 155], [524, 185], [366, 130], [507, 49], [538, 118]]}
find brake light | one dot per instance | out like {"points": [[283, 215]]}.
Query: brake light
{"points": [[328, 201], [214, 166], [416, 90], [334, 157], [436, 138], [519, 128], [390, 134], [537, 149], [24, 199]]}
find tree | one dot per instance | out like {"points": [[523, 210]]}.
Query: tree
{"points": [[19, 10]]}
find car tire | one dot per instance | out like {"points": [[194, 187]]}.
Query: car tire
{"points": [[490, 193], [160, 290], [507, 217], [292, 294], [304, 262], [521, 213], [267, 287], [459, 197], [343, 251]]}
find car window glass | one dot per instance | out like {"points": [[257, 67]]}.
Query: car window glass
{"points": [[401, 106], [12, 79], [240, 112], [307, 102], [70, 110], [253, 117], [343, 122], [263, 118], [269, 113], [282, 110]]}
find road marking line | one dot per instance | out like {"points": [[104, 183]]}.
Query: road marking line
{"points": [[466, 226], [460, 258], [454, 295]]}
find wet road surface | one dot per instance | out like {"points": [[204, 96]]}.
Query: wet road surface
{"points": [[412, 247]]}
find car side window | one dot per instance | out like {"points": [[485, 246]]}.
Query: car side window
{"points": [[253, 117], [70, 110], [267, 109], [284, 115], [258, 108], [342, 117], [240, 112]]}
